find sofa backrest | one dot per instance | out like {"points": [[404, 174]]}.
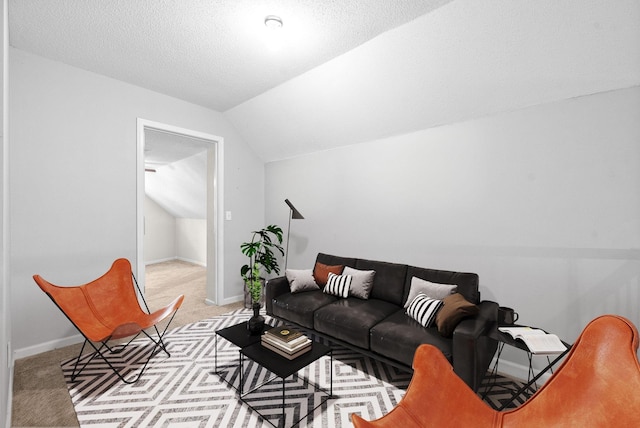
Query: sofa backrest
{"points": [[329, 260], [467, 282], [393, 281], [388, 282]]}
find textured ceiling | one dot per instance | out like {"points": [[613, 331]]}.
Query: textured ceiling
{"points": [[349, 71], [464, 60], [209, 52], [164, 148]]}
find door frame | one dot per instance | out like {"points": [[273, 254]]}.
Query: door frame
{"points": [[215, 205]]}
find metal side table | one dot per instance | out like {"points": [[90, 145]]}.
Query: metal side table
{"points": [[506, 339]]}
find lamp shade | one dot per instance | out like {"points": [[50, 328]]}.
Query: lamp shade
{"points": [[295, 214]]}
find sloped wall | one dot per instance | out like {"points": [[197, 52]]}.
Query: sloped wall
{"points": [[543, 203]]}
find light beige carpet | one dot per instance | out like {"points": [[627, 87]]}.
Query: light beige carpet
{"points": [[40, 396]]}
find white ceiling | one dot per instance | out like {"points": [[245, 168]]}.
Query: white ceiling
{"points": [[209, 52], [164, 148], [350, 71], [464, 60]]}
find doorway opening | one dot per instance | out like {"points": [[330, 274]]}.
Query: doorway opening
{"points": [[198, 157]]}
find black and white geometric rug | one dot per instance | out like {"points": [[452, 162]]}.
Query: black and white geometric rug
{"points": [[183, 391]]}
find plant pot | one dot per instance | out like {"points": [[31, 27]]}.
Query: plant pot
{"points": [[255, 325]]}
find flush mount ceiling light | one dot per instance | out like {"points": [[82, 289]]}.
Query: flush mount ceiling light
{"points": [[273, 22]]}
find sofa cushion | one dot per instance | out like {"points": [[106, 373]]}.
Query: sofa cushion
{"points": [[359, 315], [454, 309], [321, 272], [301, 280], [424, 309], [467, 282], [361, 283], [398, 336], [388, 283], [429, 289], [299, 307], [338, 285]]}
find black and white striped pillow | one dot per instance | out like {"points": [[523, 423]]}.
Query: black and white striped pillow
{"points": [[338, 285], [424, 309]]}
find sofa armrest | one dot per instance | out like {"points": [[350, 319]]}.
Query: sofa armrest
{"points": [[472, 348], [273, 288], [480, 324]]}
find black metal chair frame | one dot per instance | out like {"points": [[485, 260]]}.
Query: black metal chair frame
{"points": [[158, 345]]}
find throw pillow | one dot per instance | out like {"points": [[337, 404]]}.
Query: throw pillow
{"points": [[454, 309], [301, 280], [338, 285], [321, 273], [424, 309], [361, 282], [430, 289]]}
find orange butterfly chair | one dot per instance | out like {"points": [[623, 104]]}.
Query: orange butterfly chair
{"points": [[597, 385], [108, 309]]}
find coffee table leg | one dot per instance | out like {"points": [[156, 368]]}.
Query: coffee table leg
{"points": [[241, 370], [331, 374]]}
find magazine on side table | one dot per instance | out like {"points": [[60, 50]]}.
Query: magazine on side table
{"points": [[538, 341]]}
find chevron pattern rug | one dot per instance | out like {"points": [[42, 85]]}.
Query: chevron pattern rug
{"points": [[184, 391]]}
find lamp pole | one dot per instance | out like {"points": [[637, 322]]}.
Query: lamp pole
{"points": [[293, 214]]}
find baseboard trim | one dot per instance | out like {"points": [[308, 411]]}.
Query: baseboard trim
{"points": [[227, 301], [46, 346], [518, 371], [195, 262], [7, 422], [170, 259], [153, 262]]}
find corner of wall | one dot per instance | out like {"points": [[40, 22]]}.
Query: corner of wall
{"points": [[6, 362]]}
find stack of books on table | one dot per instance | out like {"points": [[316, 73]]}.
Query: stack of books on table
{"points": [[286, 342]]}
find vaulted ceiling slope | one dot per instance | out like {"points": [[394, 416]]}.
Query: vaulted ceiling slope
{"points": [[209, 52], [176, 173], [466, 59], [348, 71]]}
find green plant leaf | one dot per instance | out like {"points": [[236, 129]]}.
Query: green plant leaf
{"points": [[261, 252]]}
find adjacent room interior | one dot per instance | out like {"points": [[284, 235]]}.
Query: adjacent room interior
{"points": [[175, 208]]}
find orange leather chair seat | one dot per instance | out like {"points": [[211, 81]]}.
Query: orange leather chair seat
{"points": [[107, 309], [597, 385]]}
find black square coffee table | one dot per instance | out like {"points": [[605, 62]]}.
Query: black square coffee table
{"points": [[281, 367], [239, 336]]}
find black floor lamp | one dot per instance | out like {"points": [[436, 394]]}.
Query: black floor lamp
{"points": [[293, 214]]}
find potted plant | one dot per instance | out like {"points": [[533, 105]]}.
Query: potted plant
{"points": [[261, 258]]}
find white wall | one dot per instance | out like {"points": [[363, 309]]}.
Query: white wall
{"points": [[543, 203], [191, 240], [168, 238], [6, 363], [159, 233], [181, 186], [73, 184]]}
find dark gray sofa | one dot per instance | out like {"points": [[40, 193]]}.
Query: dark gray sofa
{"points": [[379, 326]]}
